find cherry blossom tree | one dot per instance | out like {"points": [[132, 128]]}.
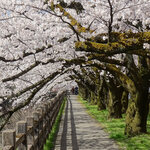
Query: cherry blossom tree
{"points": [[132, 74], [31, 49], [45, 42]]}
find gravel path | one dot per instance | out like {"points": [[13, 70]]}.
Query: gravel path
{"points": [[79, 131]]}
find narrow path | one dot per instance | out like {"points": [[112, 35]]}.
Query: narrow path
{"points": [[79, 131]]}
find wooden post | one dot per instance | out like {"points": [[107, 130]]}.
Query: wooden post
{"points": [[53, 111], [30, 137], [49, 116], [40, 111], [36, 117], [46, 121], [41, 140], [8, 139], [22, 131]]}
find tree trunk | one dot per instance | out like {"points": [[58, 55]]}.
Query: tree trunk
{"points": [[137, 112], [115, 94], [124, 101], [93, 98], [101, 102], [138, 108], [114, 105]]}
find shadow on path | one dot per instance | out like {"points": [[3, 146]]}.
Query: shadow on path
{"points": [[65, 127], [64, 133], [73, 130]]}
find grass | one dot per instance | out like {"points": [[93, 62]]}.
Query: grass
{"points": [[50, 143], [115, 128]]}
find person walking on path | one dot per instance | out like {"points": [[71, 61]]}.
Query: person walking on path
{"points": [[76, 90]]}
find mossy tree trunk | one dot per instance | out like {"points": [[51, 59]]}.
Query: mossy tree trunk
{"points": [[124, 101], [138, 107], [93, 98], [137, 112], [114, 104], [84, 93], [82, 90], [101, 102]]}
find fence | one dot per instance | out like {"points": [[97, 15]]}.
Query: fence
{"points": [[32, 133]]}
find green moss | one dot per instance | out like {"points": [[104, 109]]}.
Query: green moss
{"points": [[73, 22], [80, 45], [52, 136]]}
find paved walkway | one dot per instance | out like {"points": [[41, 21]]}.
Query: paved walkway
{"points": [[79, 131]]}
